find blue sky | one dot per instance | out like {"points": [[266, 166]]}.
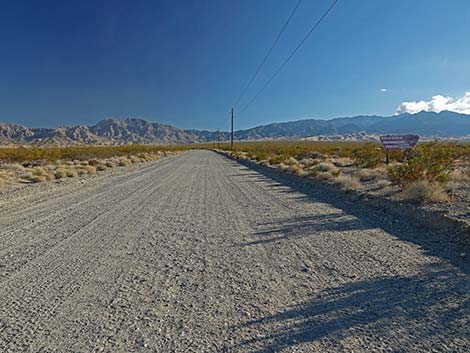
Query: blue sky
{"points": [[186, 62]]}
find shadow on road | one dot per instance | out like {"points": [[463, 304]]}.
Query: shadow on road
{"points": [[303, 226], [426, 312], [434, 242]]}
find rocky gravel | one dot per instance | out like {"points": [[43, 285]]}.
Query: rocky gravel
{"points": [[200, 254]]}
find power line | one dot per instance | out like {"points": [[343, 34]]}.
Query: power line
{"points": [[290, 56], [267, 54]]}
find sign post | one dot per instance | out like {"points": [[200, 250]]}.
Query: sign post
{"points": [[398, 142]]}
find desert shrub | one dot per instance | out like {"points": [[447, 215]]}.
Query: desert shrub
{"points": [[49, 176], [425, 191], [41, 155], [283, 166], [60, 173], [133, 159], [275, 159], [294, 168], [325, 176], [124, 162], [326, 167], [90, 169], [307, 162], [101, 167], [343, 162], [427, 164], [369, 156], [291, 161], [381, 184], [38, 171], [17, 168], [264, 162], [71, 172], [39, 178], [26, 175], [348, 182], [367, 174], [305, 173]]}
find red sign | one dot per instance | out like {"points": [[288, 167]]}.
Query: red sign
{"points": [[399, 142]]}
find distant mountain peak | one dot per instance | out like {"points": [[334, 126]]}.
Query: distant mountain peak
{"points": [[138, 130]]}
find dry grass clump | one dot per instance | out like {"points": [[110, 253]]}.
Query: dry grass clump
{"points": [[124, 162], [381, 184], [60, 173], [4, 178], [50, 168], [305, 173], [264, 162], [90, 169], [42, 154], [40, 174], [425, 191], [110, 164], [307, 162], [17, 168], [366, 174], [132, 159], [81, 170], [283, 167], [71, 172], [348, 182], [38, 171], [326, 167], [325, 176], [26, 175], [343, 162], [101, 167], [294, 169], [291, 161], [38, 178]]}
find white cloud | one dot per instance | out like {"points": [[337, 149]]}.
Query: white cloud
{"points": [[383, 90], [437, 104]]}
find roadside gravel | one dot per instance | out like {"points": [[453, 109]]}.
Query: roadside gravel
{"points": [[200, 254]]}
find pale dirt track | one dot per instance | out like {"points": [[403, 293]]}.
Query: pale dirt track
{"points": [[200, 254]]}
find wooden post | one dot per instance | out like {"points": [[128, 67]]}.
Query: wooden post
{"points": [[231, 135]]}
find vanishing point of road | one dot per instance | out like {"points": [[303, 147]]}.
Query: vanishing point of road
{"points": [[198, 253]]}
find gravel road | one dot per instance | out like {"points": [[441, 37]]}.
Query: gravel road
{"points": [[200, 254]]}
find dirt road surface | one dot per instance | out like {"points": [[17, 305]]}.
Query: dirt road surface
{"points": [[200, 254]]}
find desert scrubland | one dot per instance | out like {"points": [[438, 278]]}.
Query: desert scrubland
{"points": [[200, 253]]}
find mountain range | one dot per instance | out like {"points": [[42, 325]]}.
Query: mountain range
{"points": [[132, 130]]}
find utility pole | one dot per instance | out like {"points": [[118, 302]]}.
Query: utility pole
{"points": [[231, 135], [218, 138]]}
